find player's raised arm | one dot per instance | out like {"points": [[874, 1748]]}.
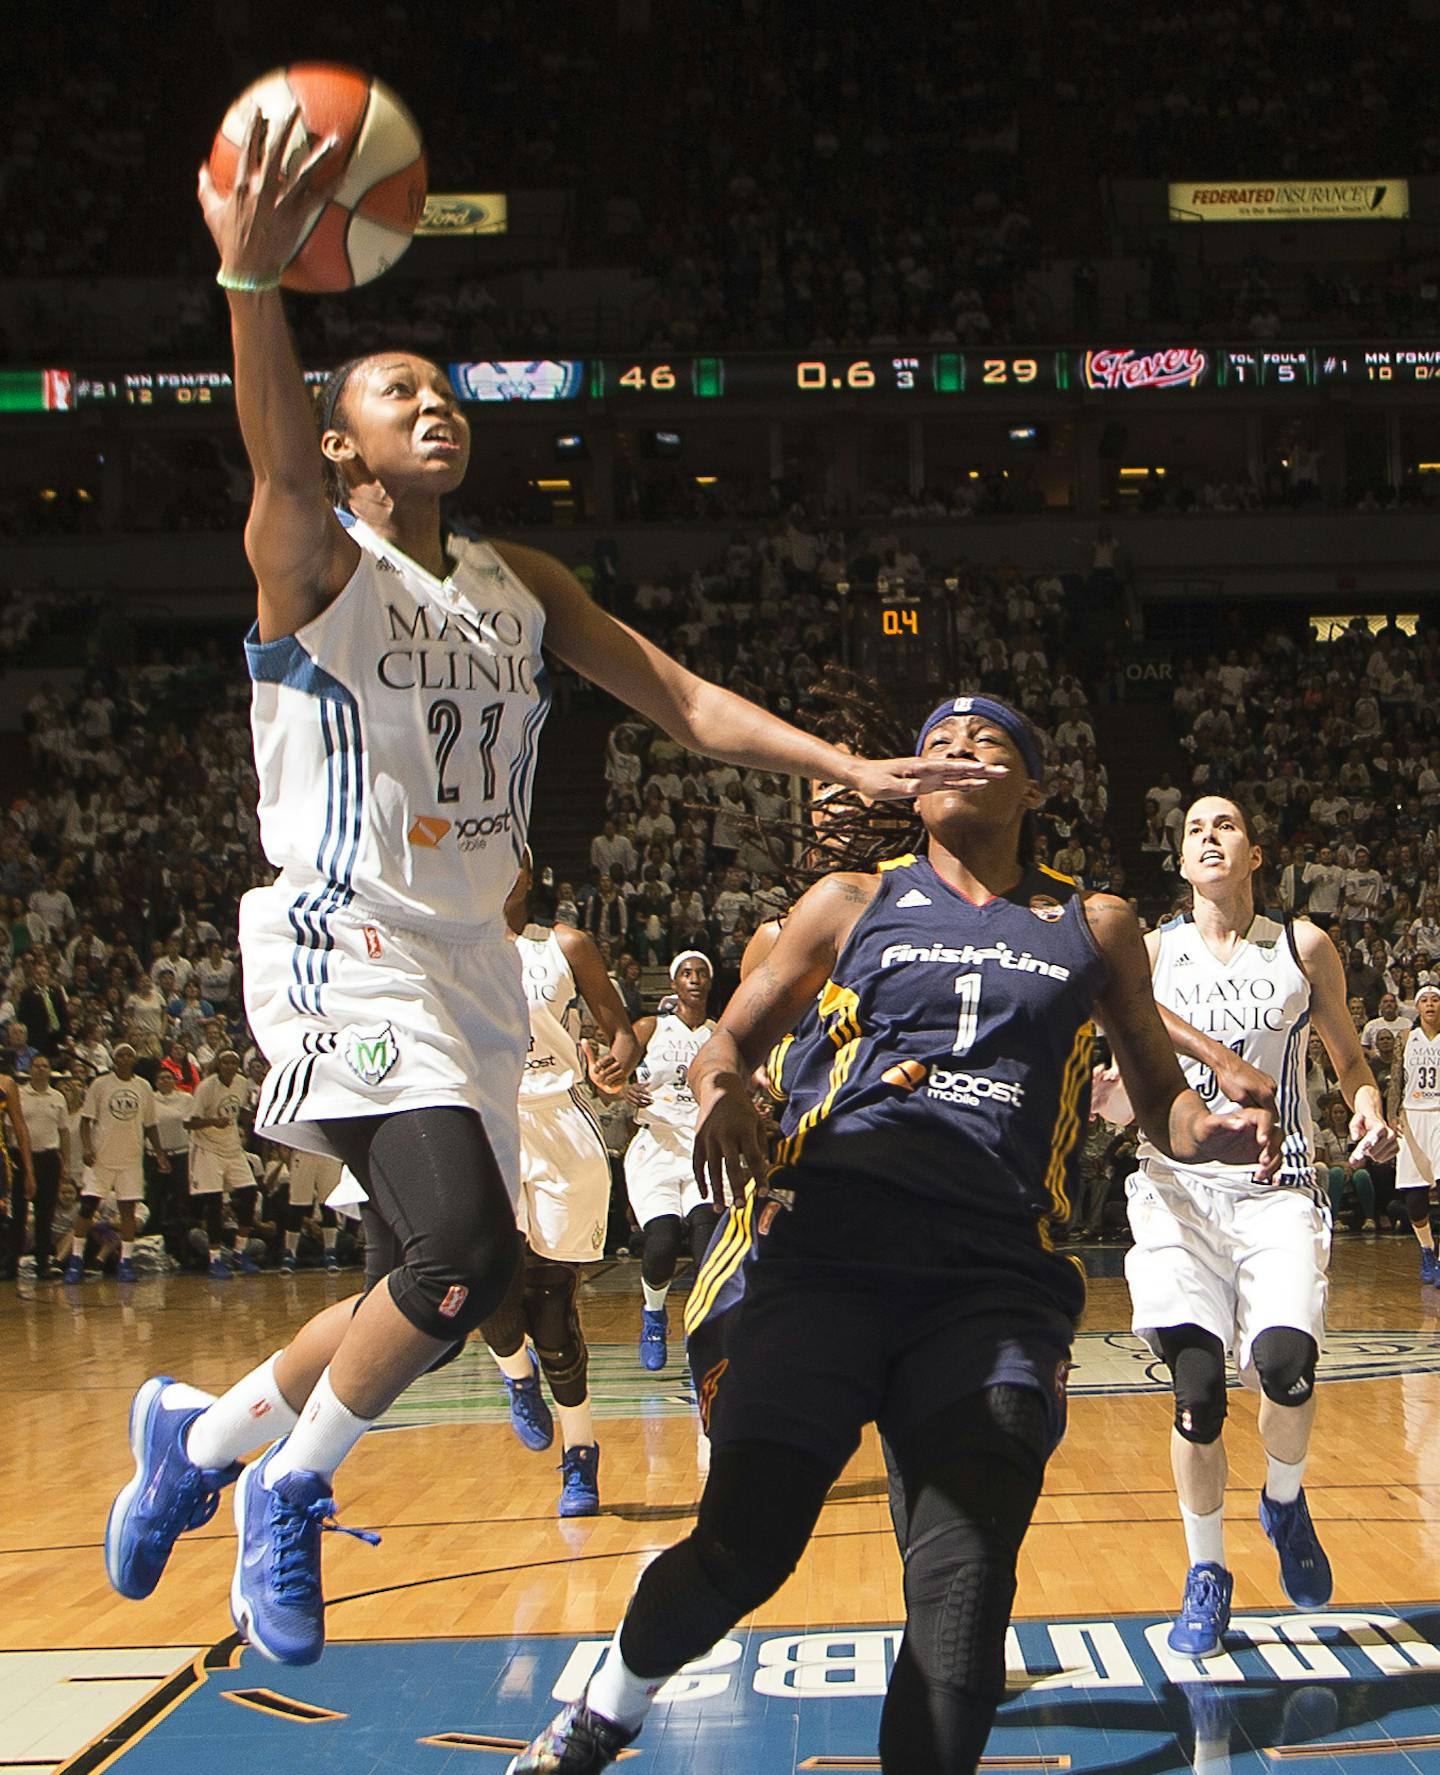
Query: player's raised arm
{"points": [[728, 1141], [300, 553], [1172, 1115], [702, 716]]}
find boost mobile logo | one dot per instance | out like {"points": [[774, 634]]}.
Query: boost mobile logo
{"points": [[429, 832]]}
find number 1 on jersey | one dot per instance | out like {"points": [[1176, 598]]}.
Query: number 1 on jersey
{"points": [[967, 990], [445, 722]]}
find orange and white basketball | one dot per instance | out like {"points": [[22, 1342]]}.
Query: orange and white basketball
{"points": [[372, 212]]}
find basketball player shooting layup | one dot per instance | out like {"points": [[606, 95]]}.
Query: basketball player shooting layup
{"points": [[930, 1134], [398, 697], [1224, 1258]]}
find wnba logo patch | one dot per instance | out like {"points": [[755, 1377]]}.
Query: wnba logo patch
{"points": [[905, 1076], [372, 942], [1044, 907], [455, 1298]]}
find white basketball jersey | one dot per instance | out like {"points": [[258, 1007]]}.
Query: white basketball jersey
{"points": [[662, 1072], [1257, 1003], [1422, 1070], [553, 1065], [395, 740]]}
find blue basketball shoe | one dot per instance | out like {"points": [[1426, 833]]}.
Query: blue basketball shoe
{"points": [[1305, 1574], [576, 1742], [1429, 1264], [530, 1417], [168, 1494], [580, 1480], [1199, 1629], [275, 1597], [74, 1269], [654, 1333]]}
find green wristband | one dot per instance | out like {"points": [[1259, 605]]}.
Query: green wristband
{"points": [[247, 285]]}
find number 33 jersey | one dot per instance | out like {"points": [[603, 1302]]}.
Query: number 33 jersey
{"points": [[952, 1052], [395, 740]]}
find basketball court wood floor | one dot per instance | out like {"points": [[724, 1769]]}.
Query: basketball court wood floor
{"points": [[449, 1642]]}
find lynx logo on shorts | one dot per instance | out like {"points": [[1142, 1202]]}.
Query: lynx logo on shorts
{"points": [[370, 1053]]}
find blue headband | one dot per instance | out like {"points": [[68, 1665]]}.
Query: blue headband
{"points": [[1000, 713]]}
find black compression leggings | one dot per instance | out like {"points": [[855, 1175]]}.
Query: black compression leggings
{"points": [[439, 1225], [971, 1476]]}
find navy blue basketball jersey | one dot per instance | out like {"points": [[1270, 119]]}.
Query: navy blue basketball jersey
{"points": [[951, 1052]]}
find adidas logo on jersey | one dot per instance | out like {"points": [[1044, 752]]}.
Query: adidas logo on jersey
{"points": [[913, 898]]}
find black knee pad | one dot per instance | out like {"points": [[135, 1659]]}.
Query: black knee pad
{"points": [[664, 1240], [449, 1294], [1285, 1359], [1196, 1360], [553, 1320], [1416, 1203], [700, 1224]]}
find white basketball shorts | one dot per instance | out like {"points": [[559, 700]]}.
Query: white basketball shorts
{"points": [[565, 1181], [360, 1018], [660, 1173], [210, 1172], [1419, 1154], [126, 1183], [312, 1177], [1233, 1263]]}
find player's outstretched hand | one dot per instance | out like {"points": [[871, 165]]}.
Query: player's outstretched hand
{"points": [[1375, 1140], [636, 1095], [258, 225], [1244, 1137], [729, 1145], [897, 779], [1244, 1084]]}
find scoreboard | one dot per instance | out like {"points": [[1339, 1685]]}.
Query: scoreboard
{"points": [[1125, 373]]}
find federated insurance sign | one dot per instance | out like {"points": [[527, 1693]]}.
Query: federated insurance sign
{"points": [[465, 212], [1313, 200]]}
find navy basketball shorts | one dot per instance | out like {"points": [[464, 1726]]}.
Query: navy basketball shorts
{"points": [[869, 1304]]}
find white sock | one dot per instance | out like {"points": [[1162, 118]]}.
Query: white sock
{"points": [[292, 1243], [325, 1434], [329, 1234], [1282, 1480], [127, 1249], [617, 1694], [214, 1254], [253, 1411], [654, 1303], [1204, 1536]]}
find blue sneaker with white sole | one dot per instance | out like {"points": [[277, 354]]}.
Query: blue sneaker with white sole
{"points": [[1429, 1265], [654, 1335], [276, 1600], [530, 1416], [1198, 1630], [168, 1493], [1305, 1574], [580, 1480]]}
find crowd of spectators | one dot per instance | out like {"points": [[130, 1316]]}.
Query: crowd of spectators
{"points": [[121, 869]]}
